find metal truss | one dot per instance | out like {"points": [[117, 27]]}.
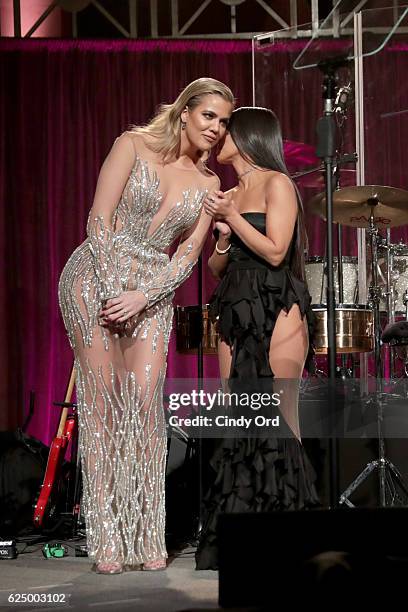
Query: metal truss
{"points": [[286, 26]]}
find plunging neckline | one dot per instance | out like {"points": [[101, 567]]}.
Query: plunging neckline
{"points": [[152, 177]]}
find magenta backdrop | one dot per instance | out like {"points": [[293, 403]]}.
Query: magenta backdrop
{"points": [[62, 103]]}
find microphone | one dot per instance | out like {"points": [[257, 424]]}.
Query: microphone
{"points": [[342, 99]]}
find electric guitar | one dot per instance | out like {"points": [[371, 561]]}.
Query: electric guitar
{"points": [[44, 508]]}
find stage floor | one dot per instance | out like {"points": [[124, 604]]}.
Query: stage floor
{"points": [[178, 588]]}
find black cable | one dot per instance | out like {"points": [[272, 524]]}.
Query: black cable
{"points": [[29, 552]]}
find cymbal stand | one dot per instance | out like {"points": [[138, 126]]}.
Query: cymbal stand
{"points": [[403, 355], [374, 291], [390, 298], [389, 285], [389, 476]]}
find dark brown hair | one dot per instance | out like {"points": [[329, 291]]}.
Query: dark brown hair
{"points": [[257, 134]]}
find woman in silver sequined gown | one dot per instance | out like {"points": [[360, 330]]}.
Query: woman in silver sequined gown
{"points": [[115, 295]]}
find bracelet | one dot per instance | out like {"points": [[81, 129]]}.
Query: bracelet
{"points": [[220, 251]]}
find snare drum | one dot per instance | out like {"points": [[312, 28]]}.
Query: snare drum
{"points": [[316, 277], [354, 328], [192, 324]]}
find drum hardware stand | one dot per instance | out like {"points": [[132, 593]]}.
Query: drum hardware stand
{"points": [[390, 299], [390, 479], [405, 302], [342, 371], [389, 476], [374, 291], [401, 348]]}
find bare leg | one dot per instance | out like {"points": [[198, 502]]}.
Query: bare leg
{"points": [[224, 359], [123, 443], [146, 357], [99, 372], [287, 355]]}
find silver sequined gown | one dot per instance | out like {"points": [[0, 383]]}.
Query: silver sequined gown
{"points": [[120, 375]]}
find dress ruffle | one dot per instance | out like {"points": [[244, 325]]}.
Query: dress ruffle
{"points": [[254, 475], [250, 300]]}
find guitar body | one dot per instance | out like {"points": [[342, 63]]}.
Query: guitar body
{"points": [[45, 506], [52, 473]]}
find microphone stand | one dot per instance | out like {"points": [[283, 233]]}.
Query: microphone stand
{"points": [[326, 149]]}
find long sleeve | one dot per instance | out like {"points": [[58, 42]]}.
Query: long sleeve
{"points": [[101, 222], [181, 264], [105, 258]]}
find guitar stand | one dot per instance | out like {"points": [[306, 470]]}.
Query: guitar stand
{"points": [[73, 517]]}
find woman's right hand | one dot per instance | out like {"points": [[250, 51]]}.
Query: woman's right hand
{"points": [[119, 309], [223, 228]]}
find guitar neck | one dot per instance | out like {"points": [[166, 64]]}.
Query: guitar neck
{"points": [[68, 395]]}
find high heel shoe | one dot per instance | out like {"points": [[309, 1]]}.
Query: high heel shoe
{"points": [[154, 565], [108, 567]]}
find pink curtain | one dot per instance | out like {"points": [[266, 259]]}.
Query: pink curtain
{"points": [[62, 103]]}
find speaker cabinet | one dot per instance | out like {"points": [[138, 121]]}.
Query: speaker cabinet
{"points": [[318, 557]]}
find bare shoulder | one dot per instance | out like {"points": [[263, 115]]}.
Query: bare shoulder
{"points": [[142, 147], [122, 149], [279, 185], [137, 140], [280, 193], [278, 180]]}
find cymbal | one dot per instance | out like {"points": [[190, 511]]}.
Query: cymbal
{"points": [[299, 155], [352, 206], [315, 180]]}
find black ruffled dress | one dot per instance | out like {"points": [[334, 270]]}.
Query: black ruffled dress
{"points": [[255, 474]]}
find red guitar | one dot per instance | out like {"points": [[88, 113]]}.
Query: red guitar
{"points": [[55, 458]]}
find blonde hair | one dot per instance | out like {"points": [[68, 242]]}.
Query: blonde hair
{"points": [[165, 127]]}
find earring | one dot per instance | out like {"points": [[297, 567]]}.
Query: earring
{"points": [[183, 125]]}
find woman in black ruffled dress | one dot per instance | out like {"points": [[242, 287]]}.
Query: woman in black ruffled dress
{"points": [[265, 323]]}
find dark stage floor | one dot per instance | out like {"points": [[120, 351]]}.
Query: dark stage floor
{"points": [[180, 587]]}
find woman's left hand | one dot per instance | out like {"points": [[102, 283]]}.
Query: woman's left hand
{"points": [[120, 309], [219, 206]]}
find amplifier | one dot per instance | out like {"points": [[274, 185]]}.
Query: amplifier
{"points": [[8, 549]]}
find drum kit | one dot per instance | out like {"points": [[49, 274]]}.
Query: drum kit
{"points": [[360, 319]]}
